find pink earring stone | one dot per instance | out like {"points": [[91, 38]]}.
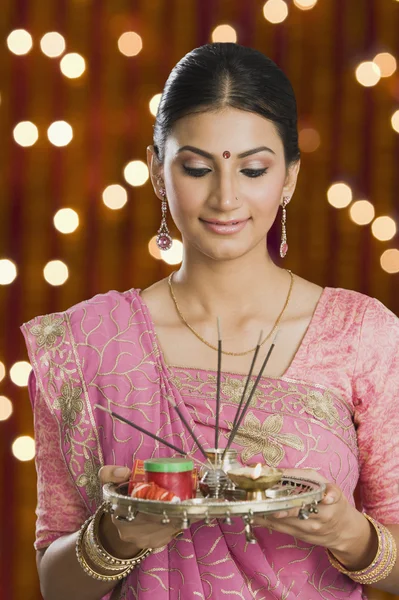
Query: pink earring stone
{"points": [[283, 249], [226, 154], [164, 241]]}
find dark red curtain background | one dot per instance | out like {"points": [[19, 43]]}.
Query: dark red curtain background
{"points": [[108, 109]]}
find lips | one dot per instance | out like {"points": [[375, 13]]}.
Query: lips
{"points": [[224, 227]]}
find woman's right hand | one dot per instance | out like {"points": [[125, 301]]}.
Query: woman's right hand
{"points": [[146, 531]]}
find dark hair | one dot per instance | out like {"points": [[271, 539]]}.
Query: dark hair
{"points": [[219, 75]]}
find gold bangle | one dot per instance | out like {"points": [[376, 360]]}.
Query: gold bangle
{"points": [[381, 565], [92, 552], [86, 567]]}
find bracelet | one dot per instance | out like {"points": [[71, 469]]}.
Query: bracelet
{"points": [[383, 562]]}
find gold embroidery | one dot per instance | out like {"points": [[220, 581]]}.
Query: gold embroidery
{"points": [[265, 438], [47, 331], [89, 480], [233, 390], [321, 406], [69, 403]]}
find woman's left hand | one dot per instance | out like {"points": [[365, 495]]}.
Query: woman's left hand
{"points": [[335, 526]]}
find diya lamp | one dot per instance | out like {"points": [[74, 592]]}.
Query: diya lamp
{"points": [[255, 480]]}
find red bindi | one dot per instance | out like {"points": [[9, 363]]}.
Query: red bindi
{"points": [[226, 154]]}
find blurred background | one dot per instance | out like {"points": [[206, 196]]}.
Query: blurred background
{"points": [[80, 81]]}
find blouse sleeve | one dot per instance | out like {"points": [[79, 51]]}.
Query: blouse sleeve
{"points": [[60, 508], [376, 387]]}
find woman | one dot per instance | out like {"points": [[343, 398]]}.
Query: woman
{"points": [[225, 158]]}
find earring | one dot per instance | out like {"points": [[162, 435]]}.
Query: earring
{"points": [[284, 245], [163, 239]]}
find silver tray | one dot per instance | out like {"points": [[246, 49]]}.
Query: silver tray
{"points": [[291, 492]]}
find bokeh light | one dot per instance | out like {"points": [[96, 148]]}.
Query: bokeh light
{"points": [[23, 448], [362, 212], [5, 408], [72, 65], [115, 196], [275, 11], [308, 139], [395, 121], [383, 228], [305, 4], [56, 272], [386, 62], [52, 44], [66, 220], [2, 371], [339, 195], [26, 133], [153, 248], [19, 373], [19, 42], [368, 73], [154, 103], [136, 173], [130, 43], [174, 256], [8, 271], [60, 133], [390, 260], [224, 33]]}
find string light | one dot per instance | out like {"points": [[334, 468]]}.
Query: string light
{"points": [[66, 220], [368, 73], [386, 63], [5, 408], [383, 228], [339, 195], [362, 212], [56, 272], [224, 33], [72, 65], [26, 133], [136, 173], [115, 196], [23, 448], [390, 260], [305, 4], [275, 11], [2, 371], [8, 271], [174, 256], [130, 43], [52, 44], [395, 121], [153, 248], [60, 133], [154, 104], [19, 373], [20, 42], [308, 139]]}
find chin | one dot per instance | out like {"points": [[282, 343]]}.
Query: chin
{"points": [[224, 251]]}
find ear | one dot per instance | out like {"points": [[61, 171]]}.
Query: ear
{"points": [[291, 179], [155, 169]]}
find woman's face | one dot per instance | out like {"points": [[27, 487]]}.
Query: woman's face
{"points": [[224, 207]]}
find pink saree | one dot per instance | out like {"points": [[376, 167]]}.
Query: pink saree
{"points": [[334, 410]]}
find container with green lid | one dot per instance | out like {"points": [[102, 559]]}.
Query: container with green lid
{"points": [[172, 474]]}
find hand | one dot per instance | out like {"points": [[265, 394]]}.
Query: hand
{"points": [[146, 531], [337, 525]]}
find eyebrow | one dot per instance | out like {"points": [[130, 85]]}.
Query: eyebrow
{"points": [[211, 156]]}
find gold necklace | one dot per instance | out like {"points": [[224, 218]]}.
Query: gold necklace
{"points": [[276, 324]]}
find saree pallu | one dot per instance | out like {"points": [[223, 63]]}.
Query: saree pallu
{"points": [[322, 414]]}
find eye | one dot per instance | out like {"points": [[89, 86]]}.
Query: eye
{"points": [[195, 172], [254, 172]]}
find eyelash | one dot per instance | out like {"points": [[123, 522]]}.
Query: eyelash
{"points": [[251, 173]]}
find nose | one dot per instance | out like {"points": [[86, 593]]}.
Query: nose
{"points": [[225, 196]]}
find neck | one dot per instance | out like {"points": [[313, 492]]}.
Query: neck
{"points": [[237, 286]]}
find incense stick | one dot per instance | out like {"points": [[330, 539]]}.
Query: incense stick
{"points": [[218, 379], [248, 379], [189, 429], [244, 410]]}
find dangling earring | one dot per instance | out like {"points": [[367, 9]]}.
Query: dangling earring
{"points": [[284, 245], [163, 239]]}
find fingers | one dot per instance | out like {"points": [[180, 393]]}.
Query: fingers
{"points": [[332, 494], [113, 474]]}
